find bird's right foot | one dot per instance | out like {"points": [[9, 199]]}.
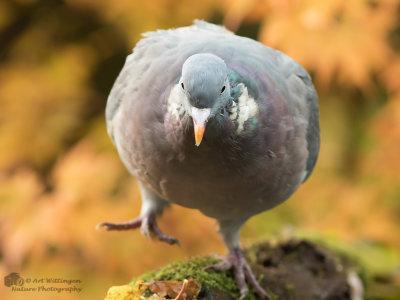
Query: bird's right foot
{"points": [[148, 227], [236, 261]]}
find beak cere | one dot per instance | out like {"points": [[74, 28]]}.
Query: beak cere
{"points": [[200, 118]]}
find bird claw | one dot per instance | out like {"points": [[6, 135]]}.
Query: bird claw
{"points": [[236, 261], [132, 224], [221, 266], [148, 227]]}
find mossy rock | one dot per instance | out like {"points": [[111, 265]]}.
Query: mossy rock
{"points": [[294, 269]]}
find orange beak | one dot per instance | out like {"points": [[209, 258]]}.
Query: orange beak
{"points": [[200, 117], [198, 133]]}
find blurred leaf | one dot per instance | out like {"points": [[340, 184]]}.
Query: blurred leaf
{"points": [[346, 40], [171, 289]]}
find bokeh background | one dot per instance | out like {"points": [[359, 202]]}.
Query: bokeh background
{"points": [[60, 175]]}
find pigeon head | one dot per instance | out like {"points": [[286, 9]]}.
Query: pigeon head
{"points": [[205, 85]]}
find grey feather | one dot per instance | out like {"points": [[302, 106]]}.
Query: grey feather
{"points": [[234, 176]]}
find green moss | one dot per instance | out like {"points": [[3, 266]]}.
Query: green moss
{"points": [[289, 286], [195, 268], [368, 259]]}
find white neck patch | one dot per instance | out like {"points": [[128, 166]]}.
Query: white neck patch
{"points": [[246, 109], [174, 105]]}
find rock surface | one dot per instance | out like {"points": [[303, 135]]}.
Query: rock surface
{"points": [[295, 269]]}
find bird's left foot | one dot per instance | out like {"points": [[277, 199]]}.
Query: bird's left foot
{"points": [[235, 260]]}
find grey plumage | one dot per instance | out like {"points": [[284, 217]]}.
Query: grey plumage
{"points": [[261, 139]]}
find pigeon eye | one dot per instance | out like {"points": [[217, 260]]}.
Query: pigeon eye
{"points": [[182, 85], [223, 89]]}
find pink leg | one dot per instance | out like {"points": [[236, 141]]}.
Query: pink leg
{"points": [[148, 227], [242, 271]]}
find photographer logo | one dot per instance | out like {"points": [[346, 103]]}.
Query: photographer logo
{"points": [[42, 284], [13, 279]]}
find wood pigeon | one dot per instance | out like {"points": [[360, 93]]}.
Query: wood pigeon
{"points": [[215, 122]]}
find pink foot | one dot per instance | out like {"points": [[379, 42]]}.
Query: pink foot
{"points": [[236, 261], [148, 227]]}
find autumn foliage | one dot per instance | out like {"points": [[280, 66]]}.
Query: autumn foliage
{"points": [[60, 174]]}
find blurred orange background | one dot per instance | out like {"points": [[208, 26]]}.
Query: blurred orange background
{"points": [[60, 174]]}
